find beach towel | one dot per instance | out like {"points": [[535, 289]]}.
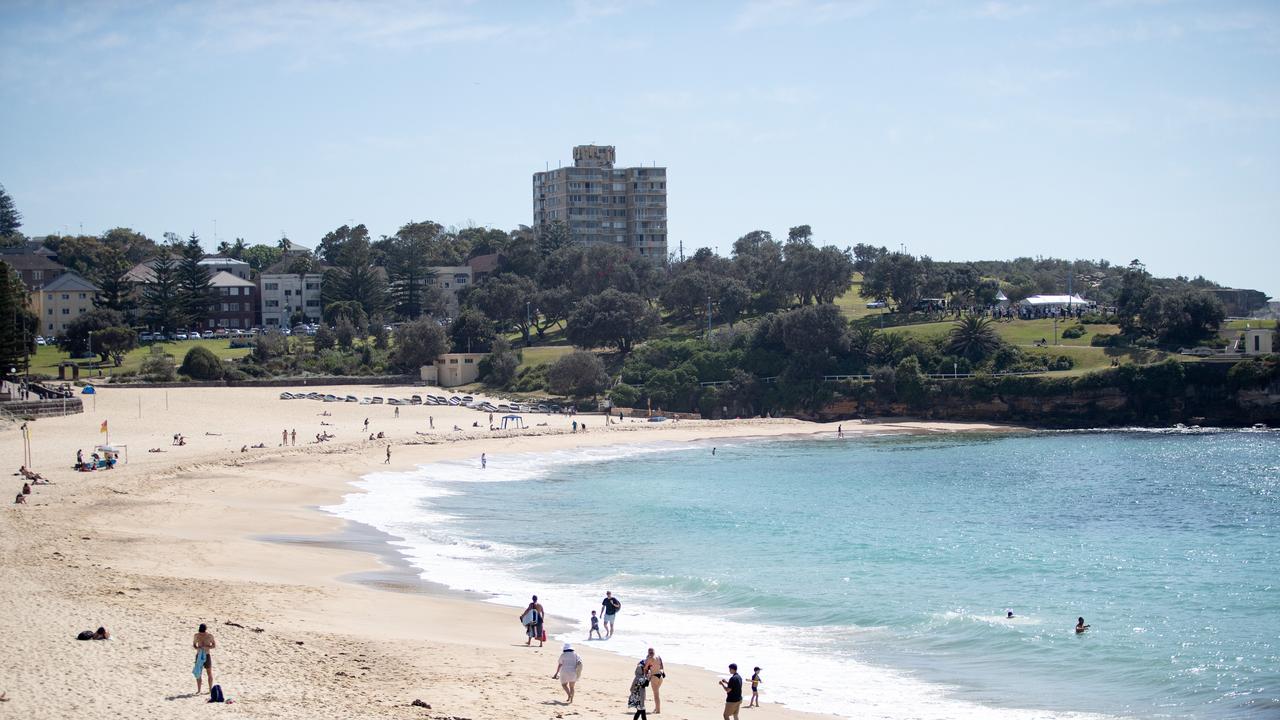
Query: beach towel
{"points": [[200, 658]]}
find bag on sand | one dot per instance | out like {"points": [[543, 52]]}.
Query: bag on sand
{"points": [[85, 635], [215, 694], [543, 636]]}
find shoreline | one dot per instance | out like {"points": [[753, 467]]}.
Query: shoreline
{"points": [[191, 535]]}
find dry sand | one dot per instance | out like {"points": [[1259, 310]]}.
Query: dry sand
{"points": [[176, 538]]}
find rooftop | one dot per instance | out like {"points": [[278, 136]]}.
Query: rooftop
{"points": [[70, 282]]}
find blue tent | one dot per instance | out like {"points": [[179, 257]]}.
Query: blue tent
{"points": [[88, 390]]}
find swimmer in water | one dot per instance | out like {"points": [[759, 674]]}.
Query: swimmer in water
{"points": [[1009, 615], [1080, 626]]}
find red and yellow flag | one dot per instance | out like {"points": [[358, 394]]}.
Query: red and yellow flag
{"points": [[104, 426]]}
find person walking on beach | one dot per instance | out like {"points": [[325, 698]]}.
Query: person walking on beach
{"points": [[636, 698], [204, 644], [366, 424], [388, 460], [610, 605], [284, 437], [484, 461], [293, 437], [531, 618], [568, 668], [655, 672], [397, 411], [732, 692], [431, 422], [755, 688]]}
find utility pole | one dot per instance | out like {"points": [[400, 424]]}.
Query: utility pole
{"points": [[526, 323], [708, 317]]}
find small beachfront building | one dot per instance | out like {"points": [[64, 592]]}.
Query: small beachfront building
{"points": [[453, 369]]}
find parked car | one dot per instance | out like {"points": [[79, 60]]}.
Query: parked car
{"points": [[877, 304], [40, 340], [207, 335]]}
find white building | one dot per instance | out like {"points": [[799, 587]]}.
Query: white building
{"points": [[285, 293], [217, 264], [451, 281]]}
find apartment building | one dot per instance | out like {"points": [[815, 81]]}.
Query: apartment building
{"points": [[600, 203], [284, 293], [234, 303], [451, 281], [62, 300]]}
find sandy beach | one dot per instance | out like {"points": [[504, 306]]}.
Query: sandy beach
{"points": [[318, 626]]}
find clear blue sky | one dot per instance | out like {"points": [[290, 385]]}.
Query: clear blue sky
{"points": [[1115, 128]]}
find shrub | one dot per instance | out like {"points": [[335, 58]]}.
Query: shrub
{"points": [[624, 395], [201, 364], [158, 367], [531, 379], [580, 374], [1072, 332], [499, 368], [1094, 318], [418, 343], [324, 338]]}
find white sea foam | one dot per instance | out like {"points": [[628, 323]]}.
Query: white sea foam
{"points": [[808, 668]]}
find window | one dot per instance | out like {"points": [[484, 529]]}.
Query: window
{"points": [[48, 296], [82, 310], [50, 311], [66, 296], [82, 296], [469, 361], [66, 311], [313, 286], [453, 361], [273, 303], [288, 293], [271, 286], [313, 303], [37, 275]]}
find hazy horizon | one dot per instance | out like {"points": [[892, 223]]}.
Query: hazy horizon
{"points": [[1114, 129]]}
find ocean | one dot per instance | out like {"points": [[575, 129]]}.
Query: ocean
{"points": [[870, 577]]}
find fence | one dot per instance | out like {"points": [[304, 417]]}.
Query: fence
{"points": [[931, 376], [31, 409]]}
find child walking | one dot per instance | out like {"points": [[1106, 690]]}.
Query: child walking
{"points": [[755, 688], [595, 627]]}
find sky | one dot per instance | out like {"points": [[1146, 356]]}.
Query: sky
{"points": [[1114, 129]]}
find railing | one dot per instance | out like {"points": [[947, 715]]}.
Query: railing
{"points": [[838, 378]]}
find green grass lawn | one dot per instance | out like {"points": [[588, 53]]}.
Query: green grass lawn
{"points": [[45, 360], [1088, 359], [539, 354], [1015, 332], [853, 305], [1240, 324]]}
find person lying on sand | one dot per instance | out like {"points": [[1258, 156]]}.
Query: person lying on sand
{"points": [[212, 434], [244, 448], [155, 450], [99, 634], [259, 446], [30, 475]]}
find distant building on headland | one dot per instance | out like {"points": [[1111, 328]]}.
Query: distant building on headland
{"points": [[599, 203]]}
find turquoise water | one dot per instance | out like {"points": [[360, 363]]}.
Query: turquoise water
{"points": [[870, 576]]}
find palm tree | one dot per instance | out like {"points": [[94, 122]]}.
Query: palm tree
{"points": [[973, 337]]}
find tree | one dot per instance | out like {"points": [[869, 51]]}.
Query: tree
{"points": [[471, 331], [201, 364], [408, 257], [10, 217], [116, 292], [79, 337], [417, 343], [353, 277], [973, 337], [324, 338], [345, 333], [1135, 290], [551, 307], [580, 374], [161, 307], [499, 367], [261, 257], [115, 342], [611, 318], [18, 325], [507, 299], [195, 294], [233, 250], [349, 309], [800, 234], [1182, 318]]}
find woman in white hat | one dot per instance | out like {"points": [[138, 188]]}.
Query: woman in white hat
{"points": [[568, 668]]}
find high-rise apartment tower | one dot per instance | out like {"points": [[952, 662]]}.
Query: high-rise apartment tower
{"points": [[600, 203]]}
